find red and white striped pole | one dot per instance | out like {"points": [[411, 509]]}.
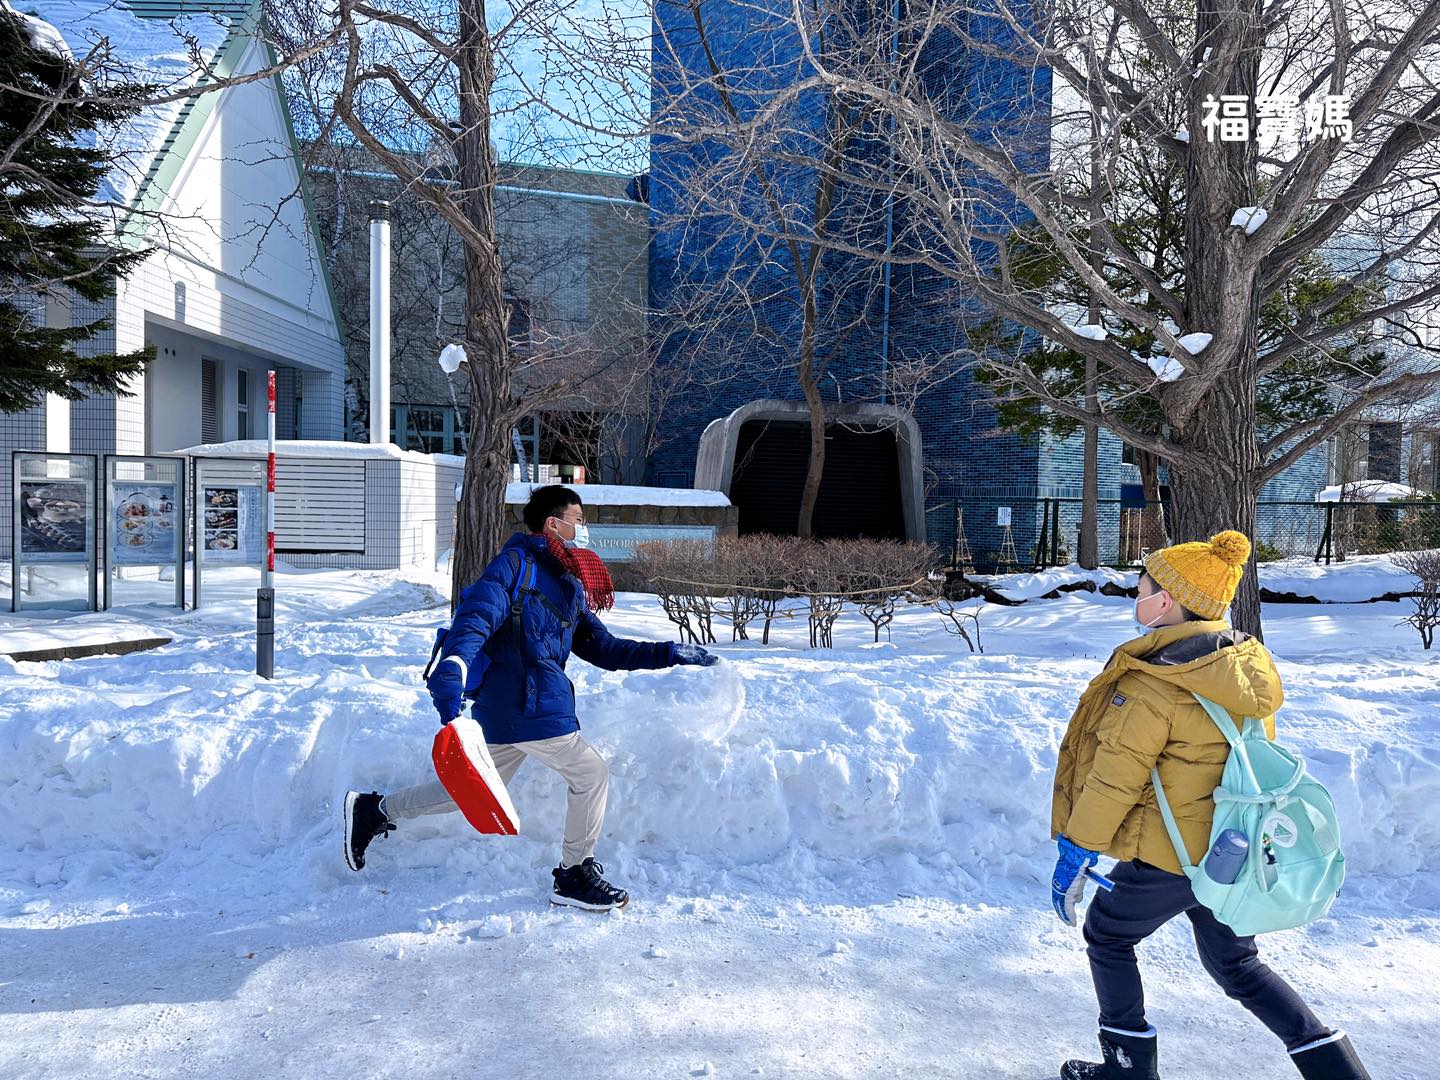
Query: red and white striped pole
{"points": [[265, 596], [268, 578]]}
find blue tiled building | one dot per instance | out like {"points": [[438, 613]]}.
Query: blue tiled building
{"points": [[878, 320]]}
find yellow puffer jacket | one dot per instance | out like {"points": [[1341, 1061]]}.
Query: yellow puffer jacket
{"points": [[1139, 713]]}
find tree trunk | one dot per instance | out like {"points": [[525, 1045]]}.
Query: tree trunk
{"points": [[815, 472], [1209, 500], [1088, 555], [808, 378], [480, 522], [1212, 414]]}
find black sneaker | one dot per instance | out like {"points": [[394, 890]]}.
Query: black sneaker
{"points": [[583, 887], [364, 820]]}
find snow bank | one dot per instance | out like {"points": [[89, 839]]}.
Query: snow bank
{"points": [[1356, 580], [1022, 587], [914, 764], [23, 635]]}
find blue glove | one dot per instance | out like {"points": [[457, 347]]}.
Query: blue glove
{"points": [[447, 691], [1068, 885], [693, 655]]}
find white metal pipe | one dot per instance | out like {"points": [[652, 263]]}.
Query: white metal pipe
{"points": [[379, 322]]}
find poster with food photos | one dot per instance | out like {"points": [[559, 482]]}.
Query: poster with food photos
{"points": [[229, 524], [145, 524], [55, 521]]}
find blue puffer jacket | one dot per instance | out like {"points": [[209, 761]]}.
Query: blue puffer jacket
{"points": [[519, 688]]}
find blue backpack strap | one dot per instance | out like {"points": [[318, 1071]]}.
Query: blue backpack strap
{"points": [[517, 591], [443, 631]]}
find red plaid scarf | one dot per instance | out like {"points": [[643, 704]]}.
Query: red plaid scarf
{"points": [[585, 565]]}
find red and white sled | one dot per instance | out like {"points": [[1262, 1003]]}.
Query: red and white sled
{"points": [[464, 766]]}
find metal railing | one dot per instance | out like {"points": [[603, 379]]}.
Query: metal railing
{"points": [[991, 534]]}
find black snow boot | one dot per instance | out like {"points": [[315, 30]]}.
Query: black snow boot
{"points": [[1330, 1058], [364, 820], [583, 887], [1127, 1057]]}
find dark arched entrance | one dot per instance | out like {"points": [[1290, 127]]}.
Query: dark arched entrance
{"points": [[860, 491]]}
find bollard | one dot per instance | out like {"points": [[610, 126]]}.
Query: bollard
{"points": [[265, 633]]}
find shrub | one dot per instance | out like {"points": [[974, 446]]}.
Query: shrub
{"points": [[1425, 567], [744, 579], [1268, 552]]}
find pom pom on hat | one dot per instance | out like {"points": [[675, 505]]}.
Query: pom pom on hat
{"points": [[1230, 547], [1202, 576]]}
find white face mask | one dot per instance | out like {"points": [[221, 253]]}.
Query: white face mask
{"points": [[1146, 627], [582, 536]]}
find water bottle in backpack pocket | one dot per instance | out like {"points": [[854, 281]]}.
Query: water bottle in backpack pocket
{"points": [[1227, 857], [1291, 868]]}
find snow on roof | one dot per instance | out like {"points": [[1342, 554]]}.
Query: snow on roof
{"points": [[591, 494], [623, 495], [171, 53], [315, 448], [40, 33], [1374, 491]]}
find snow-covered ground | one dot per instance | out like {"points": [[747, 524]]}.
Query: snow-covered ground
{"points": [[839, 859]]}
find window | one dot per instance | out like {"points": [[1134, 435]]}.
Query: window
{"points": [[209, 401], [1384, 459], [430, 429], [1350, 454], [299, 403], [242, 404], [520, 330], [1127, 454], [1425, 460], [461, 430]]}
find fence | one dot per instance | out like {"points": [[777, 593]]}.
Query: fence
{"points": [[974, 534]]}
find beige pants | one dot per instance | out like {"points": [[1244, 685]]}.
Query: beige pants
{"points": [[570, 755]]}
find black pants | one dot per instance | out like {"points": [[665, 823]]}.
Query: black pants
{"points": [[1145, 898]]}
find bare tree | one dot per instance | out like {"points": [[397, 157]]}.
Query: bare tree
{"points": [[424, 91], [974, 177], [772, 221]]}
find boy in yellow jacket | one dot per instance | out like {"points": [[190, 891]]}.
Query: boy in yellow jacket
{"points": [[1140, 714]]}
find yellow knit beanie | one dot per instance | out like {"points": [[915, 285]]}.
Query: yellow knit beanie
{"points": [[1203, 577]]}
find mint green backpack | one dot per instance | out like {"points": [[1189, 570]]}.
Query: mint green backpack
{"points": [[1294, 867]]}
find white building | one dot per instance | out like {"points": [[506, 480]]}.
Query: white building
{"points": [[236, 284]]}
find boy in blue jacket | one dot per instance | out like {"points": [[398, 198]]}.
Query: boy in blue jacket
{"points": [[506, 652]]}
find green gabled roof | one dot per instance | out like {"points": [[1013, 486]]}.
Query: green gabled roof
{"points": [[174, 9], [186, 129], [246, 19]]}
